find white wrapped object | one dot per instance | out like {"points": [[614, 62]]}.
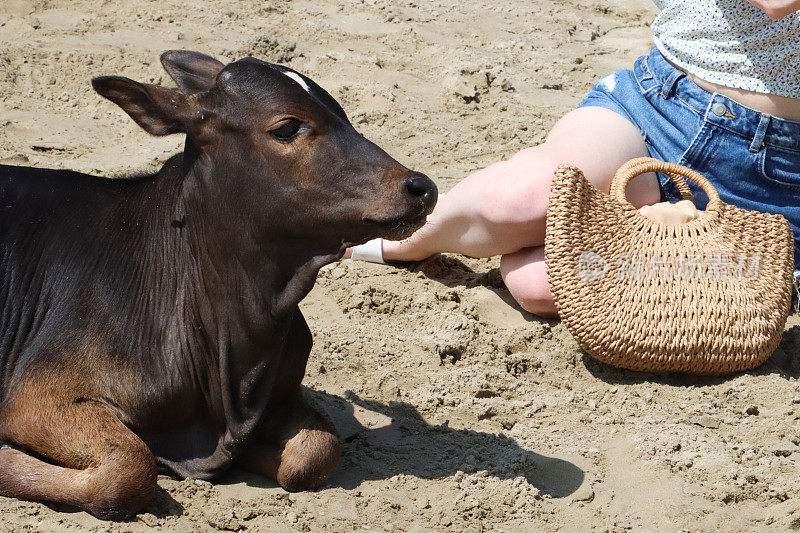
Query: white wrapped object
{"points": [[370, 251]]}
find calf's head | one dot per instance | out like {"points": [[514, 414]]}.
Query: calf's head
{"points": [[276, 150]]}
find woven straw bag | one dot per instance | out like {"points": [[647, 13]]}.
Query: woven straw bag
{"points": [[709, 296]]}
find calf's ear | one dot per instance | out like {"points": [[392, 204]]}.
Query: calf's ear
{"points": [[192, 71], [160, 111]]}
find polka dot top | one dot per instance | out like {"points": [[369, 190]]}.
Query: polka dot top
{"points": [[731, 43]]}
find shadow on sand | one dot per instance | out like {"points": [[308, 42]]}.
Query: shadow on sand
{"points": [[785, 361], [452, 272], [403, 443]]}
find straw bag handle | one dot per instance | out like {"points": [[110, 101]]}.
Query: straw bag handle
{"points": [[676, 173]]}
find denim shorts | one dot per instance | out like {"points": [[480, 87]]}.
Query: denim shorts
{"points": [[752, 159]]}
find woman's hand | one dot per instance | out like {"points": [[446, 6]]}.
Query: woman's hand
{"points": [[667, 213], [777, 8]]}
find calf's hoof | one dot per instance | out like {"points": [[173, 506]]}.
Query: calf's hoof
{"points": [[308, 460], [121, 505], [112, 514]]}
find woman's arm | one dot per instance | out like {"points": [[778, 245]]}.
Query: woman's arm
{"points": [[777, 8]]}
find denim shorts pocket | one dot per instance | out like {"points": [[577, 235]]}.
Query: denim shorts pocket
{"points": [[644, 79], [780, 166]]}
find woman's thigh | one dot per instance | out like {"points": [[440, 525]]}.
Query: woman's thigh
{"points": [[599, 141], [515, 195]]}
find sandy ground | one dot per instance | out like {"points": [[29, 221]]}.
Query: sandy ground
{"points": [[456, 410]]}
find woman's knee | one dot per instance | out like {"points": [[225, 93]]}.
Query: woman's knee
{"points": [[526, 279]]}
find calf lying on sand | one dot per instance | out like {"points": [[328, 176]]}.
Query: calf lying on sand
{"points": [[154, 320]]}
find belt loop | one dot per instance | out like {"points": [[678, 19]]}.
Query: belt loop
{"points": [[761, 132], [668, 87]]}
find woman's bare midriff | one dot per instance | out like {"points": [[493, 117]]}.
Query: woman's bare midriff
{"points": [[770, 104]]}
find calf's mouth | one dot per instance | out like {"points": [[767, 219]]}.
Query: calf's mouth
{"points": [[420, 195]]}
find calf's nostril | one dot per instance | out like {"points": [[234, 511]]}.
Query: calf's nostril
{"points": [[420, 185]]}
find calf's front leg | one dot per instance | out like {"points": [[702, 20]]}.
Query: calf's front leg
{"points": [[297, 448], [98, 464]]}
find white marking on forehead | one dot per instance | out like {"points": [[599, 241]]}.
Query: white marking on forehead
{"points": [[296, 77]]}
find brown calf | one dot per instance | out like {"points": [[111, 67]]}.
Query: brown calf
{"points": [[153, 320]]}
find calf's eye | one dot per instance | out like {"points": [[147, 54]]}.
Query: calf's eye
{"points": [[288, 130]]}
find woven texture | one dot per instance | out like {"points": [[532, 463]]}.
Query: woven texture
{"points": [[709, 296]]}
